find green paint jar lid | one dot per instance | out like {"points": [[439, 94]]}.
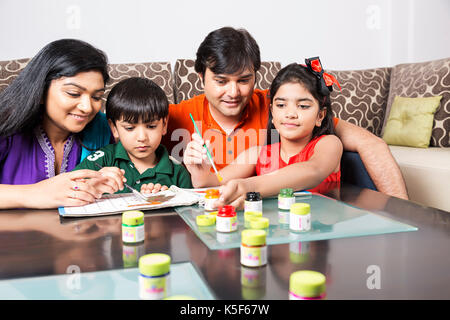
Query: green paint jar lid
{"points": [[286, 192], [258, 223], [300, 208], [133, 218], [253, 237], [205, 220], [306, 283], [154, 264]]}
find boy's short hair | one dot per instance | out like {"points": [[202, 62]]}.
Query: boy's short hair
{"points": [[136, 99], [228, 51]]}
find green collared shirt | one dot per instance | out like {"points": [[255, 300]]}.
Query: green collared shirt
{"points": [[167, 172]]}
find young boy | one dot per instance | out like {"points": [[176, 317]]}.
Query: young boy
{"points": [[137, 111]]}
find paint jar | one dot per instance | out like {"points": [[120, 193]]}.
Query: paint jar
{"points": [[253, 202], [154, 279], [300, 217], [253, 283], [226, 219], [205, 220], [180, 297], [299, 251], [133, 226], [131, 252], [285, 199], [259, 223], [250, 214], [253, 248], [283, 219], [307, 285], [212, 195]]}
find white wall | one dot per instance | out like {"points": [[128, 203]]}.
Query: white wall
{"points": [[347, 34]]}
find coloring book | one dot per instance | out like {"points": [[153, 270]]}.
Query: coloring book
{"points": [[118, 203]]}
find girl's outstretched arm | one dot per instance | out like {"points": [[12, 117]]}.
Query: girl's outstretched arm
{"points": [[199, 166], [298, 176]]}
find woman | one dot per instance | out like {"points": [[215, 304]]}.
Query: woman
{"points": [[44, 130]]}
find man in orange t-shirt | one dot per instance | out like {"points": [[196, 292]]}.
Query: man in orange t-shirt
{"points": [[233, 115]]}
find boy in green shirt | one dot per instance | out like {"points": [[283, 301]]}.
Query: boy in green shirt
{"points": [[137, 111]]}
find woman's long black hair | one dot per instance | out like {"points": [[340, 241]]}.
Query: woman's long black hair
{"points": [[296, 73], [20, 102]]}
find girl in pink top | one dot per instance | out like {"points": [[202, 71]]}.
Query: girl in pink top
{"points": [[300, 129]]}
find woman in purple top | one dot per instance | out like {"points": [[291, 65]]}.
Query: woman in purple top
{"points": [[43, 128]]}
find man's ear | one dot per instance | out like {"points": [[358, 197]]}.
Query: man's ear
{"points": [[202, 77], [114, 130]]}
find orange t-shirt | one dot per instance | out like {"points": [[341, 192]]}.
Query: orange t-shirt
{"points": [[249, 132]]}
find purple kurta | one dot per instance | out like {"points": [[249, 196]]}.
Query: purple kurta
{"points": [[30, 158]]}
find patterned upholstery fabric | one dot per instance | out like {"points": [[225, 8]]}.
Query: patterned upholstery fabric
{"points": [[159, 72], [9, 70], [424, 80], [363, 98], [188, 84]]}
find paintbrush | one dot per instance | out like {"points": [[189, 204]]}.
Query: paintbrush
{"points": [[207, 151]]}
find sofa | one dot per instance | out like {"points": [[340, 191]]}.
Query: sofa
{"points": [[365, 100]]}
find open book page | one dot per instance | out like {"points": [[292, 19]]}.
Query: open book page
{"points": [[118, 203]]}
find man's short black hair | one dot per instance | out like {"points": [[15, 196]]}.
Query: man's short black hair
{"points": [[228, 51], [136, 99]]}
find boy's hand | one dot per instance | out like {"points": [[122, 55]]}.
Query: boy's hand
{"points": [[153, 188]]}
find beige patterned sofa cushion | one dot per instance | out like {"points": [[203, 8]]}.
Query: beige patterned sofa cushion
{"points": [[9, 70], [363, 98], [159, 72], [188, 84], [425, 79]]}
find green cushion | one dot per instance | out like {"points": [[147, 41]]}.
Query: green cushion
{"points": [[410, 121]]}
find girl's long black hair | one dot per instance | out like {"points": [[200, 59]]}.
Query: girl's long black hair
{"points": [[21, 102], [296, 73]]}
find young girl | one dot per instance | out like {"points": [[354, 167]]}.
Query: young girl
{"points": [[49, 114], [300, 112]]}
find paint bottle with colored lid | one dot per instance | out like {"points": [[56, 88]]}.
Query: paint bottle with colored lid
{"points": [[261, 223], [211, 196], [300, 217], [133, 230], [253, 248], [248, 215], [307, 285], [226, 219], [253, 202], [285, 199], [154, 276]]}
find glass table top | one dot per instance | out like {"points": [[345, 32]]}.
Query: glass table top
{"points": [[330, 219], [122, 284]]}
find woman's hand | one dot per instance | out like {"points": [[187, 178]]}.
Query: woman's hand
{"points": [[116, 178], [153, 188], [66, 189]]}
